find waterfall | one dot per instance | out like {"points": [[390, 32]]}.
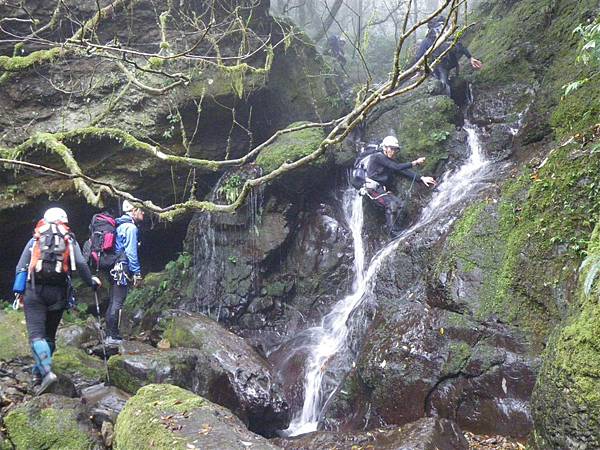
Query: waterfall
{"points": [[329, 341]]}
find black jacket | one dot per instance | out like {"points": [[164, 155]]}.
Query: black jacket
{"points": [[451, 59], [380, 168]]}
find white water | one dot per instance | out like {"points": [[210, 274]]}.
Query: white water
{"points": [[331, 337]]}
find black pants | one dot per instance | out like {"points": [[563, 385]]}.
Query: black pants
{"points": [[442, 73], [394, 207], [117, 298], [44, 307]]}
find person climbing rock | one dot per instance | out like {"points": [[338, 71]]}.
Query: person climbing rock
{"points": [[126, 271], [335, 47], [379, 169], [43, 285], [450, 60]]}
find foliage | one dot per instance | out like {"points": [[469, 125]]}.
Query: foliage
{"points": [[589, 53], [163, 289], [231, 188]]}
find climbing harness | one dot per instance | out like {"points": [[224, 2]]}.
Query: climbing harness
{"points": [[119, 274]]}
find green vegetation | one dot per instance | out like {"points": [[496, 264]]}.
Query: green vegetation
{"points": [[163, 289], [231, 188], [532, 240], [73, 361], [120, 377], [30, 427], [139, 424], [13, 335], [290, 147], [423, 128]]}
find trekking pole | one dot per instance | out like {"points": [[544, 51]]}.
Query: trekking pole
{"points": [[102, 336]]}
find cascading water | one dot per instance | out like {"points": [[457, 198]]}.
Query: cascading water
{"points": [[330, 341]]}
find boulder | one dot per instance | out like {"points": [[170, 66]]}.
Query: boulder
{"points": [[53, 422], [166, 416], [212, 362]]}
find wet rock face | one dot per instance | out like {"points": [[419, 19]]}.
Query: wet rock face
{"points": [[565, 402], [269, 270], [424, 434], [426, 355], [166, 416], [212, 362]]}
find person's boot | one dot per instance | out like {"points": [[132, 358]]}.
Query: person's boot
{"points": [[48, 380]]}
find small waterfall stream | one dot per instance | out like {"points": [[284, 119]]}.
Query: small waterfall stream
{"points": [[329, 341]]}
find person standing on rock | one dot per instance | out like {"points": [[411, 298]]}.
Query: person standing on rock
{"points": [[126, 271], [380, 168], [43, 285]]}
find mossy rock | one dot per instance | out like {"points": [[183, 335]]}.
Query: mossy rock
{"points": [[566, 399], [530, 45], [523, 251], [291, 147], [76, 363], [13, 335], [50, 422], [167, 416]]}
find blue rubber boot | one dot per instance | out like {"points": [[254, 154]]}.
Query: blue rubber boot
{"points": [[43, 359]]}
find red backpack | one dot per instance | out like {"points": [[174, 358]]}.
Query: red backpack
{"points": [[52, 255]]}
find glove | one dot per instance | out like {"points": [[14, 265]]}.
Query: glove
{"points": [[96, 283], [137, 280]]}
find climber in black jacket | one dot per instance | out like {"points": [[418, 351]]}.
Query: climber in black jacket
{"points": [[450, 60], [380, 167]]}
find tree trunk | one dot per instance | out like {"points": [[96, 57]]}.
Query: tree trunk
{"points": [[329, 21]]}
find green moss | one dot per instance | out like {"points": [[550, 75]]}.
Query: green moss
{"points": [[290, 147], [531, 45], [13, 335], [424, 128], [11, 64], [570, 374], [458, 356], [463, 227], [139, 425], [72, 360], [529, 244], [163, 289], [48, 428], [181, 337], [120, 377]]}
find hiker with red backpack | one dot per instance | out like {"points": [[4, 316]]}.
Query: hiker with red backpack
{"points": [[43, 286], [126, 270]]}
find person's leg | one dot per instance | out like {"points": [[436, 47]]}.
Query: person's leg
{"points": [[35, 320], [52, 321], [393, 213], [117, 297]]}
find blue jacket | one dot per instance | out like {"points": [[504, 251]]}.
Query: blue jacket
{"points": [[127, 242]]}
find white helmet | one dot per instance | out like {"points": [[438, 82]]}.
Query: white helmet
{"points": [[127, 206], [56, 215], [390, 141]]}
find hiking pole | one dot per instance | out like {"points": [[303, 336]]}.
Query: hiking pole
{"points": [[102, 336]]}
